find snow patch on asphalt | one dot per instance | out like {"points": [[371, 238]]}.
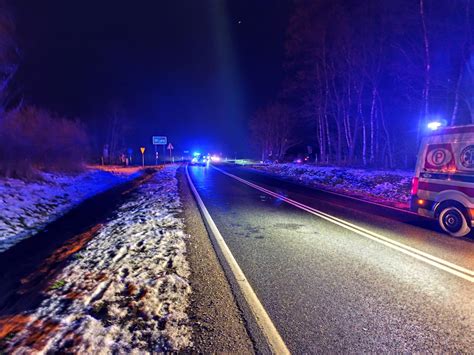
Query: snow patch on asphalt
{"points": [[26, 207], [388, 187], [127, 291]]}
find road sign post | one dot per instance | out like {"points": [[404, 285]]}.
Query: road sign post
{"points": [[170, 148], [159, 140], [142, 149]]}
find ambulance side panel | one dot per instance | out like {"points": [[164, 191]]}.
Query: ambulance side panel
{"points": [[445, 172]]}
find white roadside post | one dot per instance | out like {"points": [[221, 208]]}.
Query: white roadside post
{"points": [[142, 149], [170, 148], [159, 140]]}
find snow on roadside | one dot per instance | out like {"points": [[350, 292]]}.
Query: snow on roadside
{"points": [[388, 187], [127, 290], [26, 207]]}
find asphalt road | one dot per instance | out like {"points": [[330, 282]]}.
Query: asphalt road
{"points": [[329, 288]]}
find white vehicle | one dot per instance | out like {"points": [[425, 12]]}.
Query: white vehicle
{"points": [[443, 186]]}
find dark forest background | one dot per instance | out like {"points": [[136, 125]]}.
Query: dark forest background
{"points": [[362, 81], [365, 77]]}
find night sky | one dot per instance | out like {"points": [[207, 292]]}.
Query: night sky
{"points": [[192, 70]]}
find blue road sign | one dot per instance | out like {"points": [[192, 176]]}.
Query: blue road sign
{"points": [[160, 140]]}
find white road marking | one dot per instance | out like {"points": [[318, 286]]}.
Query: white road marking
{"points": [[341, 195], [439, 263], [261, 316]]}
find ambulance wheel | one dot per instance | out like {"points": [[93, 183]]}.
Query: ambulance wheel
{"points": [[453, 221]]}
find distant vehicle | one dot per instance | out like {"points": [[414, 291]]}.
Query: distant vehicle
{"points": [[199, 159], [443, 185], [215, 158]]}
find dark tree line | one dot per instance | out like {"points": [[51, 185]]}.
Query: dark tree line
{"points": [[9, 57], [365, 77], [31, 138], [34, 138], [273, 131]]}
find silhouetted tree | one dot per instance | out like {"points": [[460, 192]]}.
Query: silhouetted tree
{"points": [[116, 130], [9, 54], [272, 129], [362, 73]]}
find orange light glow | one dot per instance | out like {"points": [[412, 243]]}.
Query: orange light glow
{"points": [[420, 202], [471, 210]]}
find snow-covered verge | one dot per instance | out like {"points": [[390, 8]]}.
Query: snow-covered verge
{"points": [[27, 206], [388, 187], [127, 291]]}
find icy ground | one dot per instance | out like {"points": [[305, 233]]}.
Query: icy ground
{"points": [[25, 207], [127, 290], [388, 187]]}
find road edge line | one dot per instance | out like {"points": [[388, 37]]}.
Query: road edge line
{"points": [[275, 341], [439, 263]]}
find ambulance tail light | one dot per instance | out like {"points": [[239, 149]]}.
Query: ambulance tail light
{"points": [[414, 186]]}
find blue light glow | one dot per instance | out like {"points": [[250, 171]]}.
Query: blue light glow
{"points": [[434, 125]]}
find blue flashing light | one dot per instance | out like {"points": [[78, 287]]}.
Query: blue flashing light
{"points": [[434, 125]]}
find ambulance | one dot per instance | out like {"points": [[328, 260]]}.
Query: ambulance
{"points": [[443, 185]]}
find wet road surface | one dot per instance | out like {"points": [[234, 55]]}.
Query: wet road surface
{"points": [[329, 288]]}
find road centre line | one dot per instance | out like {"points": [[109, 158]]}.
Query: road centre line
{"points": [[432, 260], [274, 340]]}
